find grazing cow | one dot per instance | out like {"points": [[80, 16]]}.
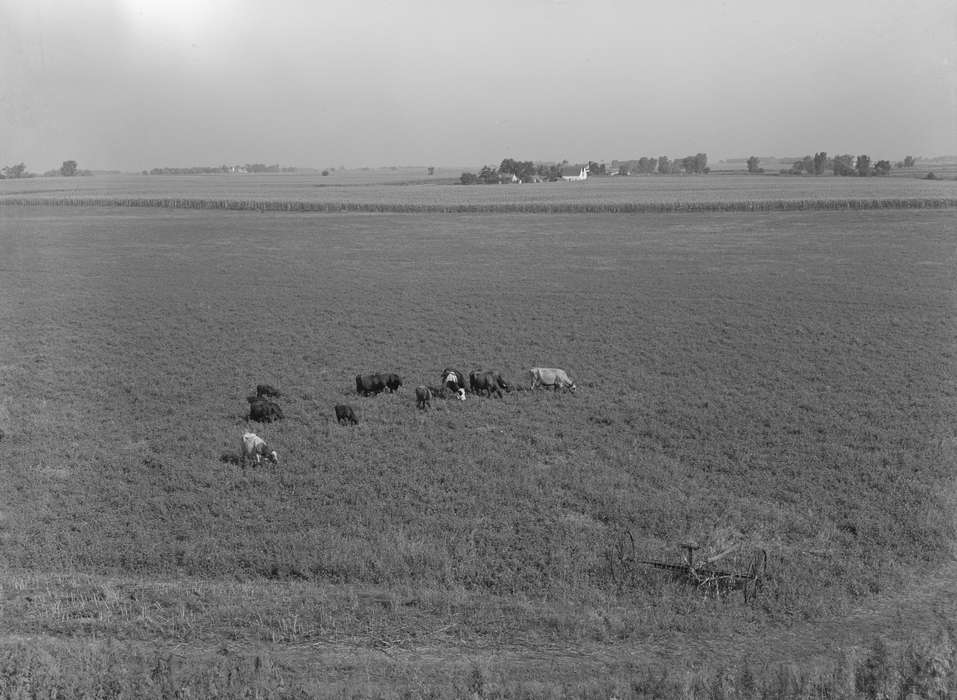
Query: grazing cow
{"points": [[454, 381], [369, 384], [392, 381], [345, 414], [550, 377], [267, 390], [488, 382], [264, 411], [255, 446], [423, 397]]}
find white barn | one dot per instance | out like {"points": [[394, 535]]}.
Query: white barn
{"points": [[574, 173]]}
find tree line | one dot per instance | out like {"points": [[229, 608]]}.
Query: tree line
{"points": [[19, 171], [844, 165], [220, 169], [512, 170]]}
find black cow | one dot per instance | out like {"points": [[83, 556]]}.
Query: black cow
{"points": [[267, 390], [487, 382], [392, 381], [423, 397], [454, 381], [265, 411], [345, 414], [369, 384]]}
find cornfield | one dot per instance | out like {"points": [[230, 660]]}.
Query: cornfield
{"points": [[773, 205]]}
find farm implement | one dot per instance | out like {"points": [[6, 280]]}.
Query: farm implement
{"points": [[701, 573]]}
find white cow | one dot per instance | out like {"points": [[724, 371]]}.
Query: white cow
{"points": [[550, 377], [255, 446]]}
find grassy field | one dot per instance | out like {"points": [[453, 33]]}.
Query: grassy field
{"points": [[782, 382]]}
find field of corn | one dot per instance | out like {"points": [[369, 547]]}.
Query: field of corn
{"points": [[782, 381], [411, 191]]}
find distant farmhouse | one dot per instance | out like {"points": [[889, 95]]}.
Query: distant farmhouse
{"points": [[574, 173]]}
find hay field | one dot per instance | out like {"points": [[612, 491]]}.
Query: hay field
{"points": [[781, 381]]}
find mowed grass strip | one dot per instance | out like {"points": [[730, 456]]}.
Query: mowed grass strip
{"points": [[782, 382]]}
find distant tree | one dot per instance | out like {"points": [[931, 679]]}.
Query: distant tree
{"points": [[68, 169], [882, 167], [468, 178], [549, 171], [843, 164], [488, 175], [863, 165], [805, 165], [623, 170], [931, 176], [15, 172], [701, 163], [325, 173], [820, 163], [647, 166], [431, 170], [754, 165], [664, 165], [522, 169], [909, 161]]}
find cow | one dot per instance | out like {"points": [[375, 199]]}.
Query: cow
{"points": [[454, 381], [267, 390], [255, 446], [488, 382], [369, 384], [264, 411], [346, 414], [423, 397], [550, 377], [392, 381]]}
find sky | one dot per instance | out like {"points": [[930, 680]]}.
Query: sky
{"points": [[138, 84]]}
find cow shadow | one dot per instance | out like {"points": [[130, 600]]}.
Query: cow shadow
{"points": [[230, 458]]}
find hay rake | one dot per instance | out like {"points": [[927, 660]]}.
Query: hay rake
{"points": [[701, 574]]}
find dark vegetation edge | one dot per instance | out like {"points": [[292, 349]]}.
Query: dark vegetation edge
{"points": [[530, 208]]}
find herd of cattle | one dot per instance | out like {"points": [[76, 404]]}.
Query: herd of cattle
{"points": [[264, 409]]}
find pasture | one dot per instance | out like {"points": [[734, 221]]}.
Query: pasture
{"points": [[778, 381]]}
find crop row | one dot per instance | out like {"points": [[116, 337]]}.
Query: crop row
{"points": [[494, 208]]}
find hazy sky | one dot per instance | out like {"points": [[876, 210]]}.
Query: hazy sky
{"points": [[136, 84]]}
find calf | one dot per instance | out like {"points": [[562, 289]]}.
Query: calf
{"points": [[267, 390], [391, 381], [423, 397], [369, 384], [264, 411], [255, 446], [345, 414]]}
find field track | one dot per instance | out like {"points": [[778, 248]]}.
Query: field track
{"points": [[381, 664]]}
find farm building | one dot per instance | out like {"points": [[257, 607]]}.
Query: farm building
{"points": [[574, 173]]}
